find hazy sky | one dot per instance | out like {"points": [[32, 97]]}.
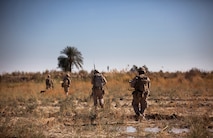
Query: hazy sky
{"points": [[168, 35]]}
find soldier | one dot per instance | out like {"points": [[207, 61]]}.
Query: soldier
{"points": [[141, 84], [49, 83], [66, 83], [98, 81]]}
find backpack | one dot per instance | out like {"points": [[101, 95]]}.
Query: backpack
{"points": [[98, 80], [48, 82], [142, 83], [66, 82]]}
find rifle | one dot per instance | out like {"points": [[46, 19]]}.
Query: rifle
{"points": [[94, 66]]}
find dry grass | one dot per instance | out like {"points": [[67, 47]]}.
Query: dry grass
{"points": [[25, 112], [198, 127]]}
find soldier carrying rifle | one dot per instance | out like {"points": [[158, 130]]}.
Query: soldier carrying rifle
{"points": [[141, 84], [98, 81]]}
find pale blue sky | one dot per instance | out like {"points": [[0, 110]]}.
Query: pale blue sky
{"points": [[168, 35]]}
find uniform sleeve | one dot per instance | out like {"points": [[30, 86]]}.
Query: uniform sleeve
{"points": [[132, 82], [149, 83], [104, 81]]}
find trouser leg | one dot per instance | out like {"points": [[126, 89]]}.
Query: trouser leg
{"points": [[136, 108], [95, 99], [135, 104], [143, 104], [66, 90], [100, 97], [101, 101]]}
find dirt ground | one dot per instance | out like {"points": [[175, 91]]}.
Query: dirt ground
{"points": [[165, 117]]}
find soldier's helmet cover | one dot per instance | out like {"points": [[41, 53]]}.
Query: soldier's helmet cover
{"points": [[141, 70]]}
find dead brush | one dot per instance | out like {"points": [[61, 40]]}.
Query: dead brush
{"points": [[198, 127], [21, 128], [21, 99]]}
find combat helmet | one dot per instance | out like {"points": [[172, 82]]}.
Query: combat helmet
{"points": [[96, 71], [141, 70]]}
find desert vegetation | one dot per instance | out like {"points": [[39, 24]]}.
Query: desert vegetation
{"points": [[180, 105]]}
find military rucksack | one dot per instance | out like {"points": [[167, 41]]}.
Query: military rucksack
{"points": [[48, 82], [98, 80], [66, 82], [142, 83]]}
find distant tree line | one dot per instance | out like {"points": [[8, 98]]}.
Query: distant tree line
{"points": [[85, 75]]}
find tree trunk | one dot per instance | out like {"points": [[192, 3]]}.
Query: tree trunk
{"points": [[70, 67]]}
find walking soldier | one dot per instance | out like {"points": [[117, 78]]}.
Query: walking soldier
{"points": [[141, 84], [98, 81]]}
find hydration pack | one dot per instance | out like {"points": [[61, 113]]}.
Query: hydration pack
{"points": [[66, 82], [142, 83], [98, 80]]}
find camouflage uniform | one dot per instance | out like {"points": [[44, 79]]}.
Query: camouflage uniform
{"points": [[49, 83], [98, 91], [66, 83], [139, 101]]}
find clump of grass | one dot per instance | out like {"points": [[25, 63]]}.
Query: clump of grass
{"points": [[21, 129], [67, 105], [198, 127]]}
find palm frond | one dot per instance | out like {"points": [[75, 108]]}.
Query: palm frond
{"points": [[71, 57]]}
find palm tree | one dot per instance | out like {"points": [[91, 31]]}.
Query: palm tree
{"points": [[70, 58]]}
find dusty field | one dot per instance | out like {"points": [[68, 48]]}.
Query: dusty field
{"points": [[175, 111], [70, 117]]}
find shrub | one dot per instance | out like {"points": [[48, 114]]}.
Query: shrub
{"points": [[198, 127]]}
